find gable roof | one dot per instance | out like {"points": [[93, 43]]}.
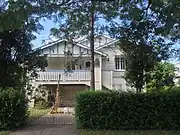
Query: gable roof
{"points": [[77, 44], [110, 43], [102, 35]]}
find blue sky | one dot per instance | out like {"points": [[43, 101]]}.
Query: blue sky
{"points": [[47, 24]]}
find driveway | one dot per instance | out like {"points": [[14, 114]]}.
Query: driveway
{"points": [[48, 130], [50, 124]]}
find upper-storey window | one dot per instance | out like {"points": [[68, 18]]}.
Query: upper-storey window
{"points": [[120, 63], [87, 65]]}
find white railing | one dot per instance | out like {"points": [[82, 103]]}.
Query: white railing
{"points": [[72, 76]]}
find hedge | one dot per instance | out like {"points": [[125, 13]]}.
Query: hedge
{"points": [[13, 109], [127, 111]]}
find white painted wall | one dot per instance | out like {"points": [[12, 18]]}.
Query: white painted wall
{"points": [[57, 50], [118, 80], [60, 49], [103, 74], [107, 79], [98, 41], [177, 73], [55, 63], [114, 79], [111, 52], [58, 63]]}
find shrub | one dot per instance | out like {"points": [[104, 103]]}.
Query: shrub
{"points": [[42, 104], [13, 112], [123, 111]]}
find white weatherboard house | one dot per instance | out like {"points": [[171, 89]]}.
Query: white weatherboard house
{"points": [[177, 73], [109, 66]]}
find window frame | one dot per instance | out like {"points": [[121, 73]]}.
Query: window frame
{"points": [[121, 60]]}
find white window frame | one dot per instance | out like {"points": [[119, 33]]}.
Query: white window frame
{"points": [[121, 63]]}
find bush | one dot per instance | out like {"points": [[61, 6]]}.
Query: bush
{"points": [[123, 111], [13, 112], [42, 104]]}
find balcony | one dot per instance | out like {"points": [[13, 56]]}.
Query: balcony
{"points": [[74, 77]]}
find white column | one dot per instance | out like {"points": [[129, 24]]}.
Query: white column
{"points": [[111, 75], [97, 74], [100, 74]]}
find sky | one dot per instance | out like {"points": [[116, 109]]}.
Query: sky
{"points": [[48, 24], [43, 35]]}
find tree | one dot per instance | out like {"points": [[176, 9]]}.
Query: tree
{"points": [[16, 55], [81, 19], [161, 78], [139, 61], [142, 38], [17, 59], [22, 12], [142, 50]]}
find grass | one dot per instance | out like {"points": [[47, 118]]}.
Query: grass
{"points": [[4, 132], [36, 113], [129, 133]]}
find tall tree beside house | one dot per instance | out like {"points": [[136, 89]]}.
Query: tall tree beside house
{"points": [[143, 38], [140, 60], [17, 58], [81, 19]]}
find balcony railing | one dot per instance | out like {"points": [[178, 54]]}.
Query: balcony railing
{"points": [[76, 75]]}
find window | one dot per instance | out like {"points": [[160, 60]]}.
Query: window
{"points": [[87, 65], [119, 63]]}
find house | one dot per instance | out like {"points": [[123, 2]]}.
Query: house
{"points": [[109, 66], [177, 73]]}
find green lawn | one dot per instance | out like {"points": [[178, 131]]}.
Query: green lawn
{"points": [[130, 133], [36, 113], [4, 132]]}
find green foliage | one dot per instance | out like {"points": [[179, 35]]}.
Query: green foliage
{"points": [[4, 133], [16, 55], [42, 104], [27, 13], [142, 38], [127, 111], [161, 78], [140, 59], [81, 20], [13, 112], [17, 58], [129, 132], [78, 18]]}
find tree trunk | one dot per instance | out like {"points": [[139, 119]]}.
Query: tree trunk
{"points": [[57, 98], [92, 48]]}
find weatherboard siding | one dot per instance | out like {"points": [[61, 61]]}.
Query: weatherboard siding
{"points": [[112, 52]]}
